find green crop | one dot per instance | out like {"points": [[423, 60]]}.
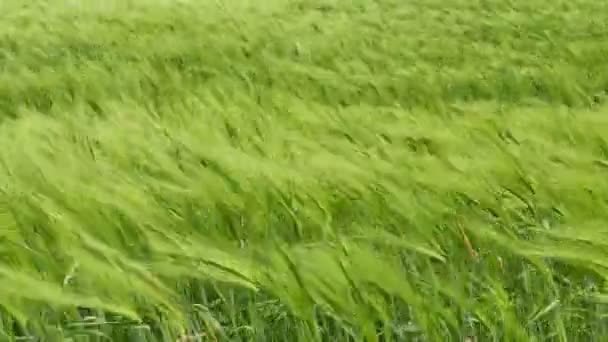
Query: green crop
{"points": [[303, 170]]}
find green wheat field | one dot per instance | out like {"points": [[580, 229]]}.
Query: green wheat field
{"points": [[303, 170]]}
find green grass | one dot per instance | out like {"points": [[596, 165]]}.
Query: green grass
{"points": [[306, 170]]}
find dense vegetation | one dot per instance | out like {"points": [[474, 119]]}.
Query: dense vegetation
{"points": [[306, 170]]}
